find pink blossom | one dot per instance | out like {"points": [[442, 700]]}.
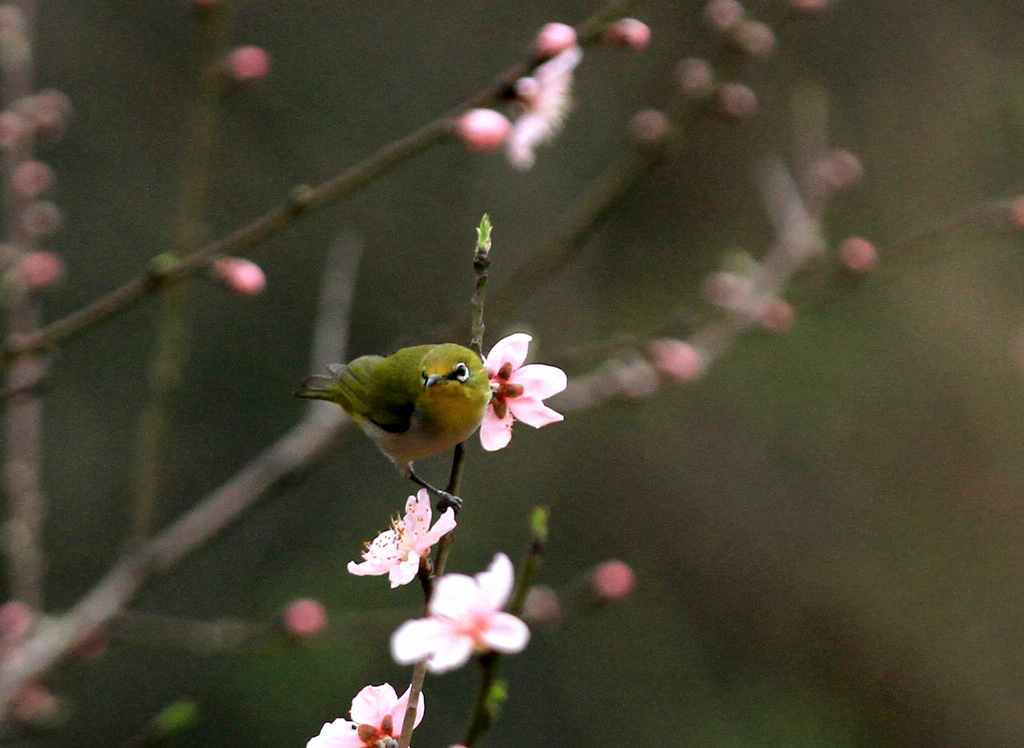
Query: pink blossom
{"points": [[628, 33], [613, 580], [553, 39], [465, 616], [241, 276], [545, 98], [483, 130], [304, 618], [248, 64], [518, 391], [397, 552], [377, 716]]}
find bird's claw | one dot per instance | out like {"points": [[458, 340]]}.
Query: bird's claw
{"points": [[446, 500]]}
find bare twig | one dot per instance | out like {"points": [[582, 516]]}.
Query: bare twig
{"points": [[23, 412], [290, 455]]}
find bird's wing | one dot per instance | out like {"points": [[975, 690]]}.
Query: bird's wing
{"points": [[369, 392]]}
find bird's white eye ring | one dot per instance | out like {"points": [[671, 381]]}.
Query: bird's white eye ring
{"points": [[461, 372]]}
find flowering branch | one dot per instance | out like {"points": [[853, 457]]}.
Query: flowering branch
{"points": [[168, 270]]}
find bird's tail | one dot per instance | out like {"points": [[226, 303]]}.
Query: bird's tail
{"points": [[318, 387]]}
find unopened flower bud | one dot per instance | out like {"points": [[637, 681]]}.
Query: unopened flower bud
{"points": [[91, 645], [650, 126], [542, 606], [676, 360], [635, 378], [858, 254], [553, 39], [483, 130], [612, 581], [737, 100], [48, 111], [304, 618], [36, 705], [839, 170], [778, 316], [723, 15], [628, 33], [31, 179], [13, 128], [248, 64], [16, 619], [809, 6], [696, 77], [240, 276], [40, 219], [754, 38], [40, 270]]}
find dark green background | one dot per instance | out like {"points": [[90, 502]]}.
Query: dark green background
{"points": [[826, 530]]}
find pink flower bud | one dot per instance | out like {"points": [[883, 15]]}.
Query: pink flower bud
{"points": [[483, 130], [304, 618], [542, 605], [240, 276], [723, 15], [650, 126], [48, 111], [41, 218], [696, 77], [36, 705], [31, 179], [553, 39], [754, 38], [678, 361], [612, 580], [635, 378], [628, 33], [248, 64], [779, 316], [858, 254], [809, 6], [1015, 211], [736, 100], [91, 645], [839, 170], [16, 620], [41, 270], [13, 128]]}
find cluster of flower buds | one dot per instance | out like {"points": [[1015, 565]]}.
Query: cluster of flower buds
{"points": [[542, 99]]}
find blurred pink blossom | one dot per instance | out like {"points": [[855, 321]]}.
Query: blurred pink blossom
{"points": [[483, 130], [628, 33], [553, 39], [248, 64], [518, 391], [545, 98], [377, 717], [613, 580], [397, 552], [304, 618], [465, 616], [241, 276]]}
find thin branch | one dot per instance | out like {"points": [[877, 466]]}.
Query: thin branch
{"points": [[287, 457], [23, 412], [165, 271]]}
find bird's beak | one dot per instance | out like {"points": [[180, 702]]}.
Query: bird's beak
{"points": [[432, 380]]}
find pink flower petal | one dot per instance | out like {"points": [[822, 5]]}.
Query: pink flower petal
{"points": [[495, 433], [495, 584], [540, 380], [451, 650], [511, 349], [413, 640], [506, 633], [399, 709], [533, 412], [454, 596], [337, 734], [404, 572], [372, 704], [444, 525]]}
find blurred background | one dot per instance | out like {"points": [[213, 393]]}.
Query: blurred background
{"points": [[826, 529]]}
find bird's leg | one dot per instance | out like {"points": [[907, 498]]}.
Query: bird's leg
{"points": [[444, 499]]}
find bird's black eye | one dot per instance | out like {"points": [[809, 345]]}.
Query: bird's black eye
{"points": [[460, 373]]}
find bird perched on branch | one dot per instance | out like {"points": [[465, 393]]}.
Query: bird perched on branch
{"points": [[414, 403]]}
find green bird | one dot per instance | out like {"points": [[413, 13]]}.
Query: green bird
{"points": [[414, 403]]}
